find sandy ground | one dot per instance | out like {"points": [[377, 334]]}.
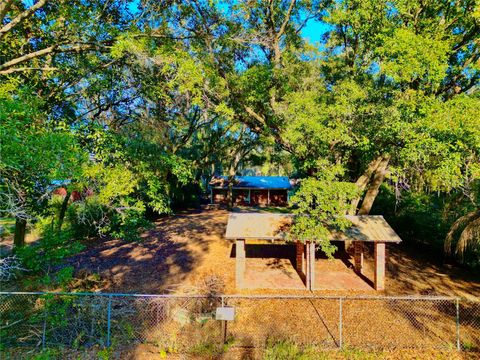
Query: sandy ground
{"points": [[187, 253], [183, 250]]}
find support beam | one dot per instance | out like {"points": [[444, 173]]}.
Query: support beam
{"points": [[310, 273], [358, 256], [299, 257], [379, 255], [312, 264], [240, 258], [268, 197], [307, 258]]}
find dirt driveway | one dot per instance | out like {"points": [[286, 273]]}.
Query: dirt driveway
{"points": [[182, 251]]}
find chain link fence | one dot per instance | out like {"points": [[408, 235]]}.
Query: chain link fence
{"points": [[183, 322]]}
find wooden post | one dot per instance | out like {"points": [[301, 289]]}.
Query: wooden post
{"points": [[240, 263], [379, 255], [307, 258], [310, 275], [358, 257], [268, 197], [312, 265], [304, 262]]}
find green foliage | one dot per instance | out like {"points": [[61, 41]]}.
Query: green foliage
{"points": [[43, 259], [34, 153], [288, 350], [7, 227], [48, 354], [208, 348], [409, 57], [49, 251], [283, 350], [129, 225], [105, 354], [426, 219], [320, 204], [110, 183]]}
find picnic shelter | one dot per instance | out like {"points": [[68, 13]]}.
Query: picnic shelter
{"points": [[272, 228]]}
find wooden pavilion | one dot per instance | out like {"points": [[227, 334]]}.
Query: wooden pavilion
{"points": [[273, 228]]}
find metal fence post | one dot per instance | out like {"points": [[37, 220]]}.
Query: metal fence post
{"points": [[109, 310], [457, 306], [224, 325], [340, 323]]}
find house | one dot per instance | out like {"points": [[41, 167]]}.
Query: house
{"points": [[251, 190]]}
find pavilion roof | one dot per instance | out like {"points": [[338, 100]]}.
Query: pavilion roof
{"points": [[268, 226]]}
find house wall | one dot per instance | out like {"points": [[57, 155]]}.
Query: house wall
{"points": [[257, 197], [241, 197], [278, 197], [219, 196]]}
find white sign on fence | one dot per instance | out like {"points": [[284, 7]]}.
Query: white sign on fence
{"points": [[225, 313]]}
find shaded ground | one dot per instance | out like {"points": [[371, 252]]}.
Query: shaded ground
{"points": [[178, 253], [182, 250]]}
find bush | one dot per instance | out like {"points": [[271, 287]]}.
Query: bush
{"points": [[49, 251], [88, 218], [423, 218]]}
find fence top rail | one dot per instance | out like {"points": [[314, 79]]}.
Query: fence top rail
{"points": [[234, 296]]}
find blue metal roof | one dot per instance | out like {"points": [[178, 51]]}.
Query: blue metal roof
{"points": [[259, 182]]}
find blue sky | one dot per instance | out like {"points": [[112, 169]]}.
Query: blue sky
{"points": [[313, 31]]}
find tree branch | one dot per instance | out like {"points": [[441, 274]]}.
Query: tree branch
{"points": [[48, 50], [21, 69], [287, 18], [20, 17], [4, 7]]}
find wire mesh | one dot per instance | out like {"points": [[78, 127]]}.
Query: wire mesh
{"points": [[469, 325], [399, 323], [32, 321], [168, 322], [304, 321]]}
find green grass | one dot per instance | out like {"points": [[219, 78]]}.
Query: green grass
{"points": [[7, 226], [286, 350]]}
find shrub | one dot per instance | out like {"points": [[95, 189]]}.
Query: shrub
{"points": [[88, 218], [49, 251], [130, 222]]}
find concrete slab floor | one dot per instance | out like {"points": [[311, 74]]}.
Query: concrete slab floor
{"points": [[335, 275], [271, 273]]}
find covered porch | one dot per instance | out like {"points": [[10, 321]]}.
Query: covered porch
{"points": [[300, 267]]}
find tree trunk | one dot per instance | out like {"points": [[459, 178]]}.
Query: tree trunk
{"points": [[63, 210], [231, 180], [20, 230], [231, 177], [374, 186], [363, 181]]}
